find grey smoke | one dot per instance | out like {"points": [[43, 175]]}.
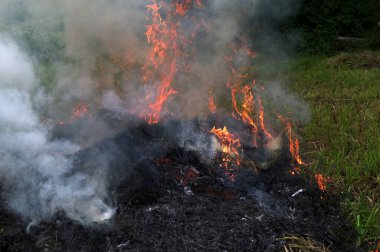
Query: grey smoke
{"points": [[66, 51], [33, 167]]}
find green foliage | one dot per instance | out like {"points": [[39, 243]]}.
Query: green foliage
{"points": [[319, 22], [42, 38], [343, 138], [358, 60]]}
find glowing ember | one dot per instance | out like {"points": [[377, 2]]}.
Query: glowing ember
{"points": [[79, 111]]}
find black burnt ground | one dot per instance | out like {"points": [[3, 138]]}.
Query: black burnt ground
{"points": [[173, 201]]}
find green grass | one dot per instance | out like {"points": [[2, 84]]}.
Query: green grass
{"points": [[342, 140]]}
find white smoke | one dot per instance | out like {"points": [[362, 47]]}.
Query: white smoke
{"points": [[34, 169], [94, 51]]}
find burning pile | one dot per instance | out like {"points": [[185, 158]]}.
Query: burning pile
{"points": [[174, 33], [228, 141], [171, 44], [223, 149]]}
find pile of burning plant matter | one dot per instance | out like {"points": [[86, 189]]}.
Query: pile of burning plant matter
{"points": [[160, 139], [172, 192]]}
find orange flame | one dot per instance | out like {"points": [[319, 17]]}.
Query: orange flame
{"points": [[294, 147], [229, 149], [247, 107], [211, 103], [322, 181], [227, 140], [261, 116], [155, 34], [162, 35], [238, 89], [182, 8], [165, 91], [166, 42], [166, 58]]}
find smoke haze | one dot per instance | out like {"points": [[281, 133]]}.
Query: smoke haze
{"points": [[57, 54], [32, 166]]}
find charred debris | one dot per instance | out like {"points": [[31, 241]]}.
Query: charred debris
{"points": [[173, 193]]}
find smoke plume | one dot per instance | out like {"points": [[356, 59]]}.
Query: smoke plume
{"points": [[65, 57], [34, 168]]}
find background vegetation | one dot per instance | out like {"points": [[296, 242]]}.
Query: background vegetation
{"points": [[341, 83], [340, 80], [320, 22], [343, 137]]}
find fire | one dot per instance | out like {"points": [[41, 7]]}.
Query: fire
{"points": [[246, 109], [161, 34], [211, 103], [229, 148], [182, 8], [78, 111], [322, 181], [165, 91], [261, 116], [164, 35], [294, 147], [240, 89], [170, 45], [227, 140]]}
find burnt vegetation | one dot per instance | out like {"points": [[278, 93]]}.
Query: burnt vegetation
{"points": [[172, 200]]}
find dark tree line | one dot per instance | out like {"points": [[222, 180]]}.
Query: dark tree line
{"points": [[320, 22]]}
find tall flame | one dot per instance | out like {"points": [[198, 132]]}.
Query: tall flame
{"points": [[165, 37], [261, 116], [162, 36], [239, 88], [246, 109], [294, 148]]}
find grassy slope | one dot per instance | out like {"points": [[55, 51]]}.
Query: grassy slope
{"points": [[343, 137]]}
